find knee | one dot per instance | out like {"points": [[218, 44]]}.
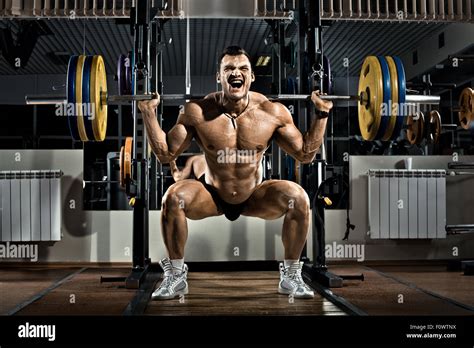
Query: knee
{"points": [[298, 202], [173, 202]]}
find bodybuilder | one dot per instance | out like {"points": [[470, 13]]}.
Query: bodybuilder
{"points": [[234, 127]]}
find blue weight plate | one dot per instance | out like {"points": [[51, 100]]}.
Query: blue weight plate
{"points": [[387, 96], [121, 75], [401, 97], [129, 63], [132, 79], [89, 109], [71, 97]]}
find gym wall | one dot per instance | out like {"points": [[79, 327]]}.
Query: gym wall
{"points": [[459, 189], [105, 236]]}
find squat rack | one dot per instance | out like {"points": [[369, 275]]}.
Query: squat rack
{"points": [[148, 75]]}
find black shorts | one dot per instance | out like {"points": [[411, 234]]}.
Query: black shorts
{"points": [[231, 211]]}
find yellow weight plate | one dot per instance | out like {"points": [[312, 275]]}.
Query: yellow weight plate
{"points": [[394, 112], [371, 93], [466, 103], [415, 128], [127, 159], [98, 87], [78, 107]]}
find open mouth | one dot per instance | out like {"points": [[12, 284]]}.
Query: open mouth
{"points": [[236, 83]]}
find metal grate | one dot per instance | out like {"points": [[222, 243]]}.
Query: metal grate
{"points": [[109, 39], [355, 40], [398, 10], [281, 9]]}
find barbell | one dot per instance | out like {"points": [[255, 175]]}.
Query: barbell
{"points": [[381, 98]]}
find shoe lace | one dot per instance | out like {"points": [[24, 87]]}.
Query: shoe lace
{"points": [[294, 275], [170, 278]]}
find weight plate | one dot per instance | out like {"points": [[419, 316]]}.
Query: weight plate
{"points": [[402, 90], [371, 92], [394, 112], [435, 126], [87, 110], [327, 77], [121, 75], [132, 78], [122, 167], [415, 128], [129, 63], [466, 112], [98, 93], [80, 119], [71, 97], [127, 159], [387, 95]]}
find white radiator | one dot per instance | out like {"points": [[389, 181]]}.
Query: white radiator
{"points": [[407, 204], [30, 205]]}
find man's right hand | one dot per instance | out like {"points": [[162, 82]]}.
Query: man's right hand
{"points": [[149, 106], [320, 104]]}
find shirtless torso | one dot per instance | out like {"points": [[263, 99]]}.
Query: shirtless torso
{"points": [[234, 127], [234, 148]]}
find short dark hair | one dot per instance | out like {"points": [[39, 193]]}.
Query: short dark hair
{"points": [[233, 51]]}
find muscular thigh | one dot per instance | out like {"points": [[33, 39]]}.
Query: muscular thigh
{"points": [[191, 196], [273, 198]]}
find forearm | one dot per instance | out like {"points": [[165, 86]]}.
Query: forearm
{"points": [[156, 137], [312, 140], [175, 172]]}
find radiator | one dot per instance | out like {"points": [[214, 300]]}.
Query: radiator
{"points": [[30, 205], [407, 204]]}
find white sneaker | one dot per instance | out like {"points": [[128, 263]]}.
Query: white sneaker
{"points": [[291, 282], [174, 282]]}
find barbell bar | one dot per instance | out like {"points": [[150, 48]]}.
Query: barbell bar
{"points": [[381, 85], [56, 99], [413, 99]]}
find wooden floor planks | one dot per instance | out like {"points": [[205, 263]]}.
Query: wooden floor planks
{"points": [[238, 293]]}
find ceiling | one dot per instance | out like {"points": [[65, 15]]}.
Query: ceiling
{"points": [[353, 39]]}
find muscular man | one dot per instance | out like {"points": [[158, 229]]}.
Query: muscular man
{"points": [[195, 165], [234, 127]]}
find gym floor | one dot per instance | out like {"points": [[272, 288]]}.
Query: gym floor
{"points": [[425, 289]]}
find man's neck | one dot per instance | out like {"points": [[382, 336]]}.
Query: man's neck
{"points": [[235, 107]]}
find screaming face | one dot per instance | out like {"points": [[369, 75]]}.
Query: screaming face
{"points": [[236, 76]]}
